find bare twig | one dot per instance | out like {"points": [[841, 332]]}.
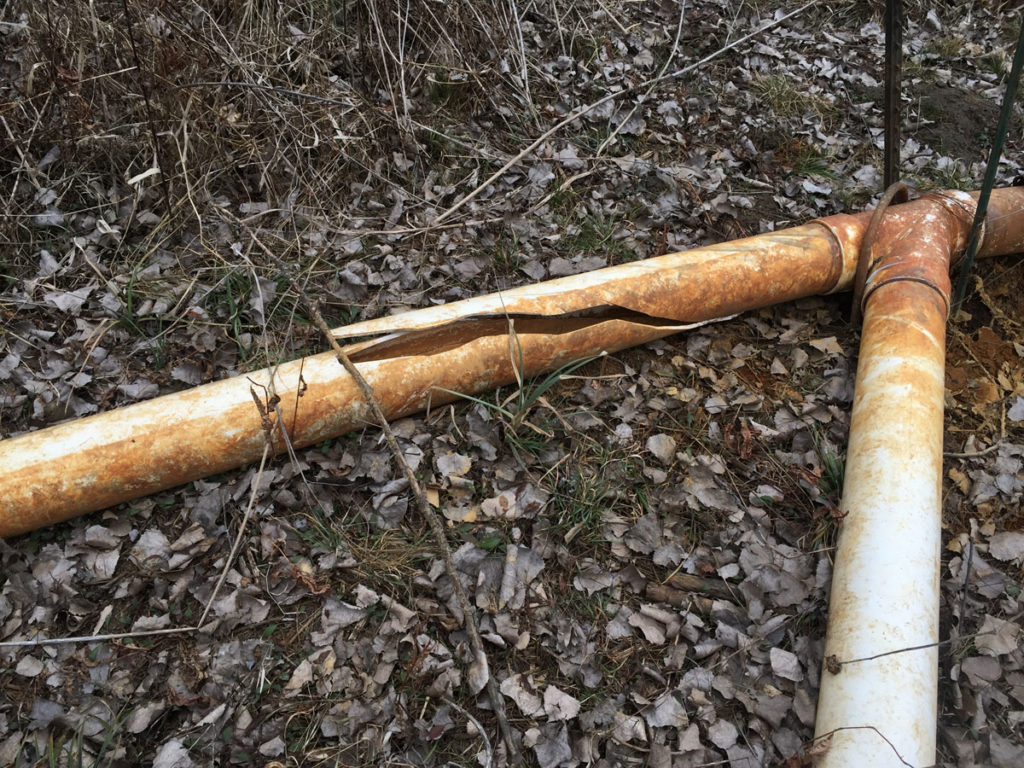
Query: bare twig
{"points": [[386, 52], [826, 736], [716, 588], [266, 88], [613, 17], [432, 518], [678, 598], [479, 729], [241, 532], [403, 29], [524, 73], [838, 663], [965, 588], [971, 454], [42, 641]]}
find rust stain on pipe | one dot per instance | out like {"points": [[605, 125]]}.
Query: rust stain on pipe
{"points": [[102, 460], [96, 462], [686, 287], [878, 699]]}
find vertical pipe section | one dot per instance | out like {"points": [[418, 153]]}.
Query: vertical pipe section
{"points": [[878, 691], [885, 587]]}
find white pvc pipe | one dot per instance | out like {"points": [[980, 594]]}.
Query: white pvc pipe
{"points": [[877, 705]]}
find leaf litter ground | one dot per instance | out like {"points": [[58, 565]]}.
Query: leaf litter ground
{"points": [[647, 540]]}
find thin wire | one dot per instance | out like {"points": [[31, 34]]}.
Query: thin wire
{"points": [[990, 173]]}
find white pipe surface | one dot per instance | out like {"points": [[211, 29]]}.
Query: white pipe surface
{"points": [[877, 705]]}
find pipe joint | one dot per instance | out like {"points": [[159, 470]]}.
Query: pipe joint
{"points": [[844, 235], [888, 273], [916, 244]]}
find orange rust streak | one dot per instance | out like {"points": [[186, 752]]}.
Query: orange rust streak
{"points": [[1003, 233]]}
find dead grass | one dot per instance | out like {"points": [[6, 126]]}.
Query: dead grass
{"points": [[788, 98], [161, 117]]}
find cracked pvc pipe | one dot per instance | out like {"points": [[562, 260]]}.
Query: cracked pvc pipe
{"points": [[878, 700], [105, 459]]}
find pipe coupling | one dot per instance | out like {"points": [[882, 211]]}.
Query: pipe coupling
{"points": [[916, 244]]}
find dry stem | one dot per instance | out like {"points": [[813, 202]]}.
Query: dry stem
{"points": [[432, 518]]}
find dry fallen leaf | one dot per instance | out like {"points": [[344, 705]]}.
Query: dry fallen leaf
{"points": [[523, 691], [1007, 546], [997, 637], [173, 754], [663, 447]]}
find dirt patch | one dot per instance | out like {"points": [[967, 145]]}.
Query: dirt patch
{"points": [[957, 122], [1004, 285], [992, 348], [750, 221], [963, 121]]}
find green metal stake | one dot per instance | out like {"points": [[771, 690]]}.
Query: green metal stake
{"points": [[990, 173]]}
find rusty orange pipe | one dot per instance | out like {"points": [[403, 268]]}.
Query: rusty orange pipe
{"points": [[105, 459], [102, 460], [878, 699]]}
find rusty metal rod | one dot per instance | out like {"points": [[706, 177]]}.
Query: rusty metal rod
{"points": [[105, 459], [991, 169], [893, 75]]}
